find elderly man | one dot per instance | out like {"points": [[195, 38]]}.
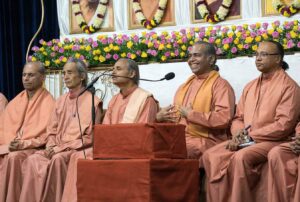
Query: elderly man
{"points": [[24, 129], [284, 168], [205, 103], [45, 171], [131, 105], [267, 113], [3, 103]]}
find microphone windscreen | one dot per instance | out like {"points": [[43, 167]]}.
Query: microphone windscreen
{"points": [[170, 76]]}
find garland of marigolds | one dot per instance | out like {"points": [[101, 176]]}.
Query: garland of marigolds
{"points": [[219, 16], [149, 24], [96, 23]]}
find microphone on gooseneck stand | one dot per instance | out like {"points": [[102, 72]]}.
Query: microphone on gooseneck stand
{"points": [[168, 76]]}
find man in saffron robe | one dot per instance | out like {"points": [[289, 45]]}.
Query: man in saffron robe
{"points": [[3, 103], [45, 171], [284, 170], [205, 102], [23, 129], [132, 105], [269, 105]]}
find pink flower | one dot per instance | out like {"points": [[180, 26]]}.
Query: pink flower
{"points": [[233, 49], [61, 50], [275, 34], [95, 44], [49, 43], [290, 44], [119, 41], [253, 34], [129, 55], [90, 40], [246, 46], [167, 54], [81, 57], [52, 54], [183, 31], [239, 28], [201, 35], [108, 56], [110, 40], [154, 53], [61, 58], [253, 26], [298, 44], [66, 40], [41, 41], [219, 51], [211, 40], [288, 36], [176, 52], [35, 48], [138, 52], [265, 25], [277, 23], [136, 38], [56, 48], [184, 39], [104, 41], [115, 56]]}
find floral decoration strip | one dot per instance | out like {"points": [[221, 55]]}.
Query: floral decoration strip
{"points": [[149, 24], [97, 22], [230, 41], [220, 15]]}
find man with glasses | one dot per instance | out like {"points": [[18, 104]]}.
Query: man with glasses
{"points": [[204, 103], [266, 116]]}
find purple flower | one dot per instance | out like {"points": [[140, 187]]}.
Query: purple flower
{"points": [[75, 47], [115, 56], [167, 54], [253, 34], [218, 27], [154, 53], [213, 32], [265, 25], [183, 31], [119, 41], [176, 52], [41, 41], [55, 48], [175, 45], [201, 35], [239, 28], [288, 35], [246, 46], [104, 41], [35, 48], [61, 58], [108, 56], [290, 44], [94, 44], [184, 39], [298, 44], [225, 41], [277, 23], [61, 50], [30, 57], [81, 57], [90, 40], [110, 40], [275, 34], [211, 40], [233, 50], [129, 55], [49, 43]]}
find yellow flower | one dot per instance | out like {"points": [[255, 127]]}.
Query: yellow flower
{"points": [[163, 58], [238, 34], [82, 47], [293, 34], [172, 54], [96, 58], [209, 28], [182, 54], [154, 36], [102, 59], [183, 47], [245, 26], [249, 39], [236, 41], [111, 46], [144, 33], [106, 49], [197, 29], [189, 36], [230, 34], [161, 46], [116, 48], [42, 49], [45, 53], [240, 46], [33, 59], [258, 38], [254, 47], [169, 46], [64, 59], [150, 44], [233, 27], [179, 41], [59, 44], [226, 46], [88, 48], [94, 52], [258, 24], [279, 30], [129, 44], [47, 63], [191, 43], [218, 41], [295, 22], [265, 36], [205, 39], [207, 33], [57, 61], [77, 55], [144, 54], [133, 56], [123, 55]]}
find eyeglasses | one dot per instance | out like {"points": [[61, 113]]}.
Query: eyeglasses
{"points": [[264, 54]]}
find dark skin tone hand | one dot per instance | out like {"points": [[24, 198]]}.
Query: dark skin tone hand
{"points": [[14, 145], [295, 145], [167, 114], [49, 152]]}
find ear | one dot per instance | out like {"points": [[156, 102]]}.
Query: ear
{"points": [[211, 59], [132, 74]]}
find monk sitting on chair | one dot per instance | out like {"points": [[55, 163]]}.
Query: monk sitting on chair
{"points": [[266, 116], [132, 105], [45, 171], [205, 103], [23, 129], [3, 103]]}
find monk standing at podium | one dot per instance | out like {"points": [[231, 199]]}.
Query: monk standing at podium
{"points": [[45, 171], [284, 171], [3, 103], [205, 103], [267, 113], [23, 129], [132, 105]]}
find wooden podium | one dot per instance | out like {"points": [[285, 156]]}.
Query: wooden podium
{"points": [[138, 162]]}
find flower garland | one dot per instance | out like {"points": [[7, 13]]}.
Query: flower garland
{"points": [[284, 10], [149, 24], [96, 24], [220, 15]]}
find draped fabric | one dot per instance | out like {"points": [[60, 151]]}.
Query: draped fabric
{"points": [[19, 20]]}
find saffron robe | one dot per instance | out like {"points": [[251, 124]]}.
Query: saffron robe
{"points": [[3, 103]]}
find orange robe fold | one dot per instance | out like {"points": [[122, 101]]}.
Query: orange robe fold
{"points": [[3, 103], [114, 115], [216, 120], [43, 177], [25, 120], [271, 106], [284, 172]]}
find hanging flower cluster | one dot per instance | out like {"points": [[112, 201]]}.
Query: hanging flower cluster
{"points": [[285, 10], [97, 22], [230, 41], [149, 24], [220, 15]]}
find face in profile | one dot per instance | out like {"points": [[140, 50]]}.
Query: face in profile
{"points": [[267, 57], [121, 69], [72, 78], [199, 61], [32, 79]]}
